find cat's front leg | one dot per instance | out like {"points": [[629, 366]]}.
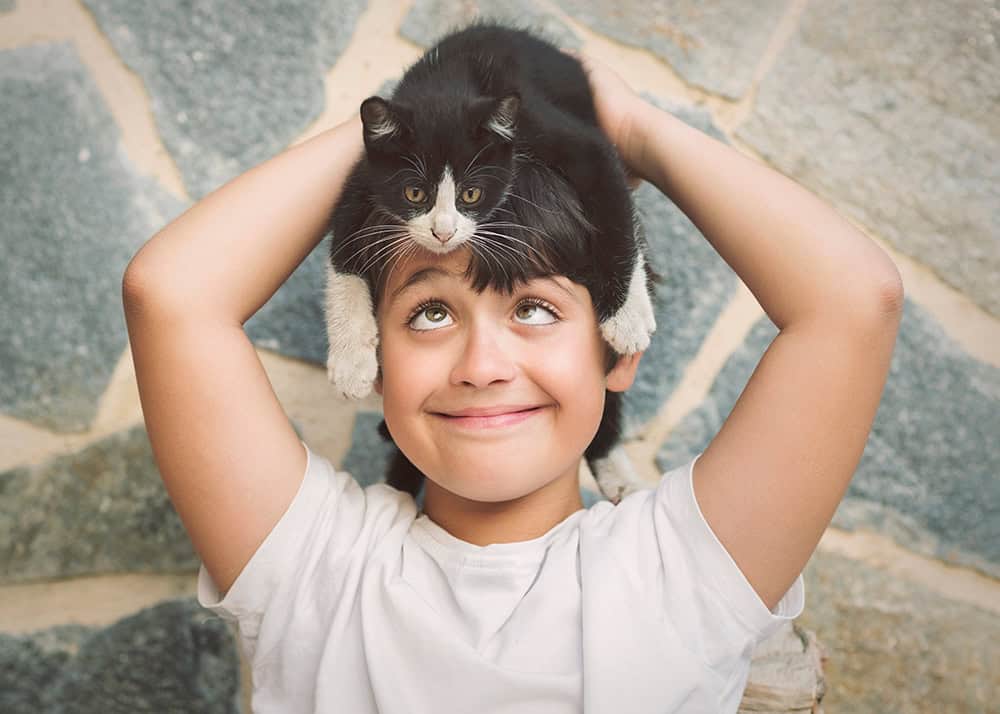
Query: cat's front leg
{"points": [[629, 329], [352, 334]]}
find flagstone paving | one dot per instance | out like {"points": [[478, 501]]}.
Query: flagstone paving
{"points": [[888, 112]]}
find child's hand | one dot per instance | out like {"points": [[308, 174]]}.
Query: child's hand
{"points": [[618, 112]]}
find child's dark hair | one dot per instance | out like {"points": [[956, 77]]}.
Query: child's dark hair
{"points": [[540, 230]]}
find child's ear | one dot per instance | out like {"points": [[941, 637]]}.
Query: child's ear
{"points": [[622, 374]]}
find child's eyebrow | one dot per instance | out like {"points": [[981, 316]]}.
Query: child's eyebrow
{"points": [[421, 276], [425, 274]]}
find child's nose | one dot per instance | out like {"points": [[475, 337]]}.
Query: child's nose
{"points": [[485, 358]]}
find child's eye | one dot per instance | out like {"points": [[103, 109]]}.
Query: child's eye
{"points": [[533, 306], [427, 308], [435, 314]]}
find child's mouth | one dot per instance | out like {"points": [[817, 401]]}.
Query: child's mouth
{"points": [[490, 422]]}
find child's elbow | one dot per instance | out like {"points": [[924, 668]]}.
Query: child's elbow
{"points": [[889, 294]]}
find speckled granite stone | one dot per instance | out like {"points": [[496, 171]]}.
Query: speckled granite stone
{"points": [[172, 657], [74, 211], [714, 45], [893, 645], [231, 83], [429, 20], [101, 510], [890, 109]]}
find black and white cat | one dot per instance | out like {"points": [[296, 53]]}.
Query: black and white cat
{"points": [[441, 159]]}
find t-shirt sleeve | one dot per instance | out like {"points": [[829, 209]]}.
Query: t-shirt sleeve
{"points": [[323, 537], [685, 536]]}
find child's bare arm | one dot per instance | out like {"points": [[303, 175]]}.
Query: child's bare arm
{"points": [[228, 456], [771, 479]]}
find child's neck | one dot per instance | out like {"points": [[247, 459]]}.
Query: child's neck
{"points": [[525, 518]]}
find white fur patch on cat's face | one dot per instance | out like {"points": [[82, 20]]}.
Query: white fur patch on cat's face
{"points": [[442, 219]]}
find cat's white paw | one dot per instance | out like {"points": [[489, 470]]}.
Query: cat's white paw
{"points": [[616, 476], [628, 331], [352, 334], [352, 374]]}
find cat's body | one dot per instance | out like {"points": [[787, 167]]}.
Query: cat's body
{"points": [[441, 164]]}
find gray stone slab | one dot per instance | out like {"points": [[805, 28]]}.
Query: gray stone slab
{"points": [[101, 510], [714, 45], [31, 665], [74, 211], [172, 657], [7, 5], [230, 82], [893, 646], [429, 20], [927, 477], [892, 110]]}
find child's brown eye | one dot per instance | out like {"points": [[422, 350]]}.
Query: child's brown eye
{"points": [[431, 313], [472, 195], [534, 308], [415, 194]]}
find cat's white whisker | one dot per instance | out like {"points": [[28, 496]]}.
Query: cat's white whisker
{"points": [[522, 198], [419, 167], [369, 246], [477, 241], [505, 210], [381, 251], [475, 157], [504, 182], [486, 243], [501, 224], [367, 233], [517, 258], [414, 172], [516, 240], [398, 256]]}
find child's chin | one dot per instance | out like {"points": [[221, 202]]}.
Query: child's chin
{"points": [[487, 493]]}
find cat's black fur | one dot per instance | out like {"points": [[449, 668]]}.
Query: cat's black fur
{"points": [[442, 103], [503, 98]]}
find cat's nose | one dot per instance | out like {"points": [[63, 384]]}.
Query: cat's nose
{"points": [[443, 235]]}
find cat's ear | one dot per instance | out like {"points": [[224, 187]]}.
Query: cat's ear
{"points": [[386, 125], [497, 116]]}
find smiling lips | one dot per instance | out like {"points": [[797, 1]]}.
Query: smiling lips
{"points": [[491, 417]]}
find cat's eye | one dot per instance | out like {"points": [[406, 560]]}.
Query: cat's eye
{"points": [[415, 194], [472, 195]]}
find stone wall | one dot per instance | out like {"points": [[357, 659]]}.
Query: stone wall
{"points": [[116, 116]]}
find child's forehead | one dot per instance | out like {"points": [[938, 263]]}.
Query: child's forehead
{"points": [[451, 270]]}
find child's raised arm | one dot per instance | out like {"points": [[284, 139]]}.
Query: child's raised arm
{"points": [[227, 454], [771, 479]]}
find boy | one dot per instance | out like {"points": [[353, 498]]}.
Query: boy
{"points": [[504, 595]]}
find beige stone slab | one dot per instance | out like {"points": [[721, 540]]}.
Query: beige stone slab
{"points": [[94, 601]]}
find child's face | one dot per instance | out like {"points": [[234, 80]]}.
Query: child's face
{"points": [[486, 350]]}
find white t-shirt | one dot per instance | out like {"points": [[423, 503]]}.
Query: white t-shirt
{"points": [[355, 604]]}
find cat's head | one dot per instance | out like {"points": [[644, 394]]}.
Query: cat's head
{"points": [[441, 171]]}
